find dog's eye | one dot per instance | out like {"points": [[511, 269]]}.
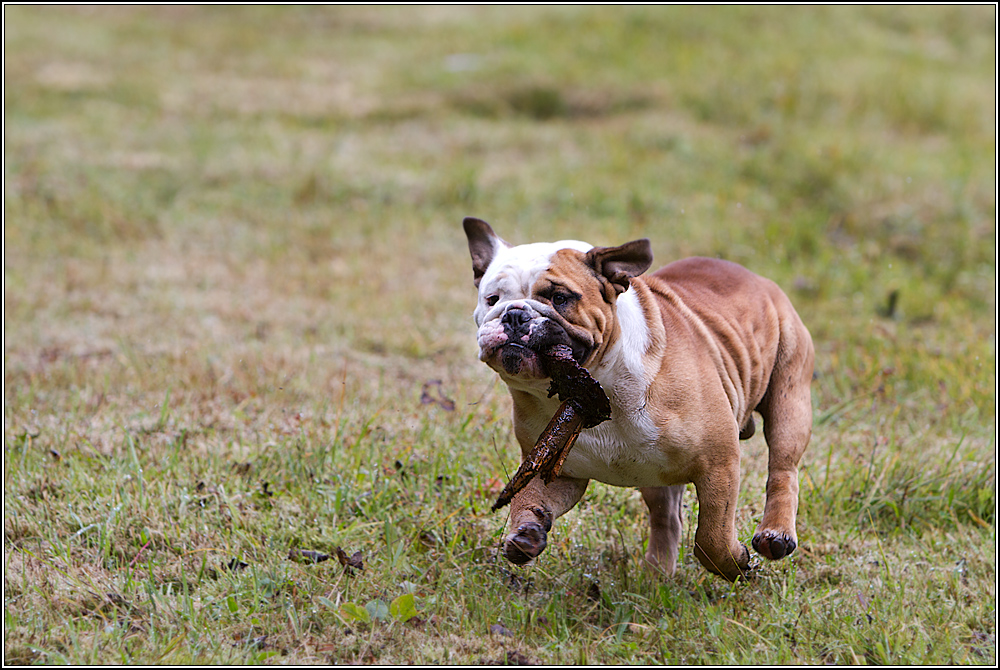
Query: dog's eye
{"points": [[560, 299], [492, 300]]}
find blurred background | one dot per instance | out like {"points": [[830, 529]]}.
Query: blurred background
{"points": [[185, 179]]}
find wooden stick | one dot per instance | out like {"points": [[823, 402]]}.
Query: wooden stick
{"points": [[547, 457], [584, 406]]}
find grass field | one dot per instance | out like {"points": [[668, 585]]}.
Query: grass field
{"points": [[238, 334]]}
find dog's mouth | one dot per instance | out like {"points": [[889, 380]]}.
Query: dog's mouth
{"points": [[511, 343], [521, 360], [515, 357]]}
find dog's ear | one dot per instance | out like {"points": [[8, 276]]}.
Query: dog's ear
{"points": [[619, 264], [483, 245]]}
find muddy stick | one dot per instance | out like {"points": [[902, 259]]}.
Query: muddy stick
{"points": [[584, 405]]}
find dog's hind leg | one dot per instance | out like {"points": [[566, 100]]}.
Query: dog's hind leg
{"points": [[665, 525], [532, 512], [787, 412]]}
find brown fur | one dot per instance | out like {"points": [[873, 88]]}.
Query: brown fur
{"points": [[722, 343]]}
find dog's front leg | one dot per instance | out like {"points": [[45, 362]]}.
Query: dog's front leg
{"points": [[715, 542], [532, 512]]}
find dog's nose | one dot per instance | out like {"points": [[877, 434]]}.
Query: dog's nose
{"points": [[515, 317]]}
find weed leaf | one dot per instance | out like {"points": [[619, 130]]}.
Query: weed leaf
{"points": [[351, 612], [403, 608], [378, 610]]}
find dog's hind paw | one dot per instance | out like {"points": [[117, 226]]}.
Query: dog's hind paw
{"points": [[526, 543], [773, 545]]}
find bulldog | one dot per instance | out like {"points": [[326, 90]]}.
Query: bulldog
{"points": [[685, 356]]}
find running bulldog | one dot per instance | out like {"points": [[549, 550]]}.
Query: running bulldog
{"points": [[685, 355]]}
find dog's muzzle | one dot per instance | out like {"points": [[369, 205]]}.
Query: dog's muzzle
{"points": [[511, 339]]}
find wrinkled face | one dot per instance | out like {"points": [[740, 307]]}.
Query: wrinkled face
{"points": [[534, 296]]}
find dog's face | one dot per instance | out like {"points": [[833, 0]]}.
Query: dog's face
{"points": [[534, 296]]}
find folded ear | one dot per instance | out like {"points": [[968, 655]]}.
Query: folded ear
{"points": [[483, 245], [619, 264]]}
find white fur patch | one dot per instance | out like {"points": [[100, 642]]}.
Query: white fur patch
{"points": [[634, 340], [512, 273]]}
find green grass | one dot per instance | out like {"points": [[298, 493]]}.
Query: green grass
{"points": [[233, 260]]}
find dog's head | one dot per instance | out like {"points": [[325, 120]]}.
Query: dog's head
{"points": [[534, 296]]}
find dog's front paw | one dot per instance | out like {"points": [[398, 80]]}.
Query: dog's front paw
{"points": [[772, 544], [526, 543]]}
